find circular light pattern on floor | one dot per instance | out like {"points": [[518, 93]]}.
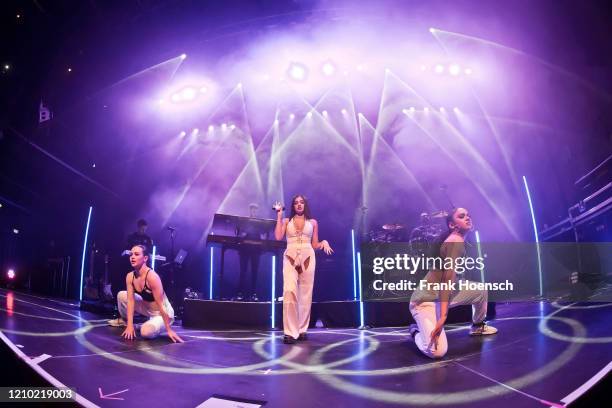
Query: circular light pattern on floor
{"points": [[331, 373]]}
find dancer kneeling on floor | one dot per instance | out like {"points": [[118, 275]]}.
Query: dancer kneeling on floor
{"points": [[145, 295], [430, 307]]}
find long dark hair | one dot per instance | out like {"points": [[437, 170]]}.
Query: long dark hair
{"points": [[306, 207], [435, 250]]}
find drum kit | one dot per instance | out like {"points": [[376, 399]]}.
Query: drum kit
{"points": [[421, 237]]}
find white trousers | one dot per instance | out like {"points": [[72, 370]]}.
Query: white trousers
{"points": [[427, 313], [297, 295], [155, 325]]}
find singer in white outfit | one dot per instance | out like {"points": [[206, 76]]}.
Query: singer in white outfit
{"points": [[299, 262]]}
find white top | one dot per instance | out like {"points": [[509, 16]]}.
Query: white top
{"points": [[299, 239]]}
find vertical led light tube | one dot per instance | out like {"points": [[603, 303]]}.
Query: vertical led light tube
{"points": [[84, 254], [354, 267], [210, 284], [153, 257], [479, 255], [272, 295], [535, 233], [361, 322]]}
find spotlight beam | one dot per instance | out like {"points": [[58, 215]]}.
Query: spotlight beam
{"points": [[191, 181], [467, 171], [403, 164], [547, 64], [496, 135]]}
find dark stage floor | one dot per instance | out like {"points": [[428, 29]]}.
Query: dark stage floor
{"points": [[543, 355]]}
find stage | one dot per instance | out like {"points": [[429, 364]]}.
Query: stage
{"points": [[544, 355]]}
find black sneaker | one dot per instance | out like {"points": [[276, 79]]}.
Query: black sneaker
{"points": [[288, 339], [413, 330], [302, 337], [482, 329]]}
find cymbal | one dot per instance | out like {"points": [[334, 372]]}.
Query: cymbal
{"points": [[392, 227]]}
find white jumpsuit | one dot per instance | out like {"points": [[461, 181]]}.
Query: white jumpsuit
{"points": [[298, 279]]}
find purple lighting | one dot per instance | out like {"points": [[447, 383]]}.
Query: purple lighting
{"points": [[454, 69], [11, 274], [328, 68], [188, 94], [297, 72]]}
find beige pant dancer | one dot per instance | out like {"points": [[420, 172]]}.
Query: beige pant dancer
{"points": [[298, 279], [155, 325], [425, 308]]}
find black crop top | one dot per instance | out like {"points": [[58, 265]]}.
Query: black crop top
{"points": [[146, 294]]}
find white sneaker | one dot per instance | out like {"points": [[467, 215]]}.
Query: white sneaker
{"points": [[482, 330], [118, 322]]}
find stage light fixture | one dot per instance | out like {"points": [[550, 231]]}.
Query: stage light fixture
{"points": [[188, 94], [69, 69], [223, 126], [183, 56], [276, 121], [439, 69], [405, 111], [468, 71], [292, 116], [175, 97], [324, 113], [232, 127], [328, 68], [309, 114], [11, 274], [423, 68], [456, 109], [93, 165], [211, 128], [203, 89], [7, 67], [343, 111], [442, 110], [15, 231], [412, 109], [182, 134], [0, 205], [195, 131], [454, 69], [426, 109], [297, 71], [360, 68]]}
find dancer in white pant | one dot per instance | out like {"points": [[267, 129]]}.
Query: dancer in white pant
{"points": [[430, 307], [298, 265], [145, 295]]}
